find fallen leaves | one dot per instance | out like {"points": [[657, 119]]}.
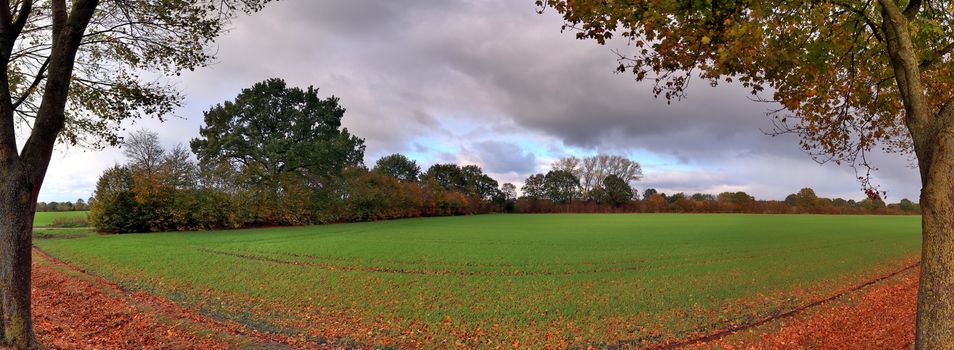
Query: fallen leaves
{"points": [[881, 316], [75, 310]]}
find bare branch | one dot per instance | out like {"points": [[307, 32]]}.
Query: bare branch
{"points": [[36, 82]]}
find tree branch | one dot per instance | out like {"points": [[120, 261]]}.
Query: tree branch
{"points": [[905, 64], [67, 34], [36, 82], [864, 16], [22, 16], [5, 17], [912, 10], [936, 56]]}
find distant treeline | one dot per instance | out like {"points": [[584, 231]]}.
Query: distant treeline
{"points": [[279, 156], [602, 184], [78, 205], [726, 202]]}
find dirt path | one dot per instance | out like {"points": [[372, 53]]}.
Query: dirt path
{"points": [[76, 310]]}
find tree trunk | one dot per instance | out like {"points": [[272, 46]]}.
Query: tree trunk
{"points": [[935, 320], [17, 211]]}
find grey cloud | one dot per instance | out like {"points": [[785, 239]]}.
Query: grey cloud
{"points": [[496, 62], [502, 157]]}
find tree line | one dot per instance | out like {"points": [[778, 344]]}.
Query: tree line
{"points": [[277, 155], [78, 205], [603, 184]]}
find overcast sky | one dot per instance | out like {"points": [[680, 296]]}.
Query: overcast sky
{"points": [[491, 83]]}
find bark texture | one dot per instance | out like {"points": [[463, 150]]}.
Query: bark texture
{"points": [[935, 321], [21, 175], [16, 209], [932, 130]]}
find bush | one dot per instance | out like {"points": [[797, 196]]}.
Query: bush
{"points": [[115, 208], [69, 222]]}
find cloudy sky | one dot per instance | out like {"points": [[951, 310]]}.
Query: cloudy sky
{"points": [[492, 83]]}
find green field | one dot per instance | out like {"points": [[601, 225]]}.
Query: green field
{"points": [[43, 219], [483, 281]]}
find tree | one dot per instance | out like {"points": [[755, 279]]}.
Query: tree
{"points": [[592, 170], [805, 198], [654, 203], [284, 145], [907, 205], [479, 184], [738, 200], [146, 157], [839, 202], [73, 74], [561, 186], [116, 208], [143, 151], [702, 197], [271, 130], [399, 167], [447, 176], [649, 192], [614, 190], [849, 76], [509, 191], [179, 169], [533, 187], [872, 204]]}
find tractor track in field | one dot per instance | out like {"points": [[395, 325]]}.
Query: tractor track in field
{"points": [[667, 260], [499, 269], [448, 272], [648, 343]]}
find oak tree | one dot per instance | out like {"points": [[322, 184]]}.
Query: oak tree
{"points": [[848, 76], [613, 190], [271, 130], [561, 186], [447, 176], [399, 167], [533, 187]]}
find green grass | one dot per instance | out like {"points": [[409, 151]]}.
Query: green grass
{"points": [[534, 279], [60, 233], [47, 218]]}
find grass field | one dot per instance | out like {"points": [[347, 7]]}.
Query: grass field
{"points": [[43, 219], [509, 280]]}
